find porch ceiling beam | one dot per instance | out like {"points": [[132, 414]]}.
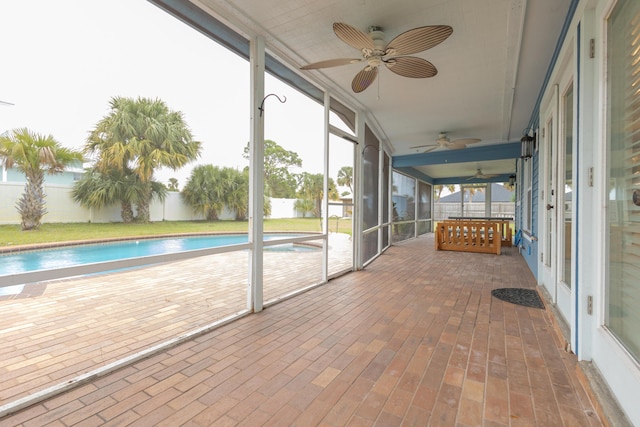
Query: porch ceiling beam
{"points": [[510, 150], [416, 174], [466, 180]]}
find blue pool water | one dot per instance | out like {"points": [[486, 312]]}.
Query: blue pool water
{"points": [[68, 256]]}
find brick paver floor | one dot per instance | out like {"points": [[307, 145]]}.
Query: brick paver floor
{"points": [[414, 339], [70, 327]]}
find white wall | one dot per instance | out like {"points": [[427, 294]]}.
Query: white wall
{"points": [[62, 208], [283, 208], [9, 195]]}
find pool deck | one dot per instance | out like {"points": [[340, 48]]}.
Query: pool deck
{"points": [[414, 339]]}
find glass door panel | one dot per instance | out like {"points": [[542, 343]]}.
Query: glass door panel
{"points": [[549, 195], [341, 205], [567, 194]]}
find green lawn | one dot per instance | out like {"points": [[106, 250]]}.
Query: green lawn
{"points": [[11, 235]]}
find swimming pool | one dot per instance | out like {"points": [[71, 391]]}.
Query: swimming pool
{"points": [[75, 255]]}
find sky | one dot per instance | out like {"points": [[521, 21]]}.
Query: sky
{"points": [[64, 60]]}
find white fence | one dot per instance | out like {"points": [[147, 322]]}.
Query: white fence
{"points": [[61, 207], [443, 211]]}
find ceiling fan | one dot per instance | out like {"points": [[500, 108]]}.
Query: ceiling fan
{"points": [[480, 175], [375, 52], [443, 141]]}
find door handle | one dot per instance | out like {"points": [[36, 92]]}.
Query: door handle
{"points": [[549, 206]]}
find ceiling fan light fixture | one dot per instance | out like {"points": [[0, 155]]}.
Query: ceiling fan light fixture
{"points": [[374, 62]]}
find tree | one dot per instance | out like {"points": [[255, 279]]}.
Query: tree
{"points": [[203, 192], [345, 177], [211, 188], [439, 188], [173, 184], [141, 135], [312, 188], [279, 180], [34, 154], [473, 189], [304, 206], [97, 189], [236, 191]]}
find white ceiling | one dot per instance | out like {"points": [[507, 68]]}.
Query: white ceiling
{"points": [[490, 70]]}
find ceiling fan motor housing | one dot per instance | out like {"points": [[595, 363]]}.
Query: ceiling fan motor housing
{"points": [[377, 36], [442, 137]]}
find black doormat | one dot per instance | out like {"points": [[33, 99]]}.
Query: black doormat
{"points": [[525, 297]]}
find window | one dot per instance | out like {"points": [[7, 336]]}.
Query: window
{"points": [[623, 158], [527, 209]]}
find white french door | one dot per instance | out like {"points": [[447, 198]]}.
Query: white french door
{"points": [[565, 202], [557, 260]]}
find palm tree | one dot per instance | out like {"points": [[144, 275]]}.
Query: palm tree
{"points": [[304, 206], [472, 189], [142, 135], [312, 188], [211, 188], [173, 184], [203, 191], [345, 177], [236, 197], [439, 188], [33, 155], [97, 189]]}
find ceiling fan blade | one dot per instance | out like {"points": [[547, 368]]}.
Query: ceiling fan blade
{"points": [[424, 145], [364, 78], [353, 36], [428, 150], [411, 66], [466, 141], [418, 40], [331, 63], [456, 146]]}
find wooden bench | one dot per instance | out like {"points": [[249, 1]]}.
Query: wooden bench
{"points": [[503, 223], [469, 236], [505, 232]]}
